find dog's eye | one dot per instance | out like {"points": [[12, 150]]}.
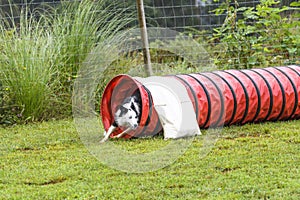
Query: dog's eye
{"points": [[136, 117], [130, 117]]}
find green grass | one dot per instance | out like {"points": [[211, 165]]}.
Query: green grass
{"points": [[48, 161]]}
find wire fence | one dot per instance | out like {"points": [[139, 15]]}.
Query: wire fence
{"points": [[45, 42], [201, 18], [198, 14]]}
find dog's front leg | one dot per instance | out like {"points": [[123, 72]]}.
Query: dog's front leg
{"points": [[111, 129], [123, 133]]}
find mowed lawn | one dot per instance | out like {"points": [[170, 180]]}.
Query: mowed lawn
{"points": [[48, 161]]}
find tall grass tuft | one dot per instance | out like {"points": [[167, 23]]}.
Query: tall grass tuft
{"points": [[27, 66], [78, 27], [41, 54]]}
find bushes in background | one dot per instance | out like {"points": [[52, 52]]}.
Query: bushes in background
{"points": [[40, 55], [260, 36]]}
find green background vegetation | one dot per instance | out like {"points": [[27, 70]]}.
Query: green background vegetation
{"points": [[43, 47]]}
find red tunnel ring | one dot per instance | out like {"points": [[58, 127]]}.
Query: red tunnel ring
{"points": [[115, 92]]}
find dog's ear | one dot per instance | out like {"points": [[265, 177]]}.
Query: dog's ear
{"points": [[123, 110], [132, 106]]}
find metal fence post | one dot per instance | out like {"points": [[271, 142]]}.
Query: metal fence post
{"points": [[144, 35]]}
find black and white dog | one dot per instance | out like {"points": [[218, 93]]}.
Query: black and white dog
{"points": [[126, 117]]}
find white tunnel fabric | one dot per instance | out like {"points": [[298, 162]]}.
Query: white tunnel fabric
{"points": [[173, 106]]}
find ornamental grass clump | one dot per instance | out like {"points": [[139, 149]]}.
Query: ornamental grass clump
{"points": [[42, 51]]}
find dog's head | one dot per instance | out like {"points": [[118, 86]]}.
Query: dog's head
{"points": [[127, 115]]}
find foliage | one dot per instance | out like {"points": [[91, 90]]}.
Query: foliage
{"points": [[27, 66], [48, 161], [42, 51], [79, 26], [9, 113], [266, 35], [41, 54]]}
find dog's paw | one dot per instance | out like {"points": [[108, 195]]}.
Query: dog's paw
{"points": [[117, 136], [103, 140]]}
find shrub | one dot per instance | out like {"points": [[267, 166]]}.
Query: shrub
{"points": [[40, 55], [265, 35], [27, 67], [78, 27]]}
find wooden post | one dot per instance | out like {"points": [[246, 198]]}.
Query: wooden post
{"points": [[144, 35]]}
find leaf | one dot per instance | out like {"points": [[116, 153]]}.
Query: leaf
{"points": [[242, 9], [250, 14], [250, 29], [217, 30], [295, 4], [252, 60], [267, 50], [292, 50]]}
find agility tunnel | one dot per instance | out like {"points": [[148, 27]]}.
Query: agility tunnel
{"points": [[218, 98]]}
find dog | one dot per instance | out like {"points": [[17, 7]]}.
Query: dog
{"points": [[126, 117]]}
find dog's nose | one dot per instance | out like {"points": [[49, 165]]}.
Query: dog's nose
{"points": [[135, 126]]}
